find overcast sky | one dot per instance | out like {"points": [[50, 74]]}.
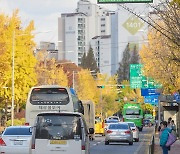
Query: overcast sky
{"points": [[45, 14]]}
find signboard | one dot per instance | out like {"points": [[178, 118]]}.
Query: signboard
{"points": [[133, 24], [148, 82], [153, 99], [149, 92], [135, 76], [124, 1]]}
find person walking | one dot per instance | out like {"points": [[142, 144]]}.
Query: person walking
{"points": [[164, 136]]}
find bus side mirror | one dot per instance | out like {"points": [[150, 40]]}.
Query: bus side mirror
{"points": [[81, 108]]}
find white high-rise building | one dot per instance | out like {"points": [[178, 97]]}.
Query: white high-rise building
{"points": [[75, 30], [101, 46]]}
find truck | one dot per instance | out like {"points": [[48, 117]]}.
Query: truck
{"points": [[89, 115], [132, 112]]}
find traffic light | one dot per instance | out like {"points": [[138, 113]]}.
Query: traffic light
{"points": [[102, 86]]}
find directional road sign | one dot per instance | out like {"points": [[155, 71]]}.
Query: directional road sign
{"points": [[153, 99], [149, 92], [135, 76]]}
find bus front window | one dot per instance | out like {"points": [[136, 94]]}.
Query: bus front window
{"points": [[132, 112]]}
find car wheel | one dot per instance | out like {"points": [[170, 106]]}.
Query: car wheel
{"points": [[131, 143], [106, 142], [136, 139]]}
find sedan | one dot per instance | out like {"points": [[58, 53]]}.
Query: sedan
{"points": [[118, 132], [107, 122], [135, 131], [16, 140]]}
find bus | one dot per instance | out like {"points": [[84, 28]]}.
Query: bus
{"points": [[150, 117], [133, 113], [89, 115], [53, 98]]}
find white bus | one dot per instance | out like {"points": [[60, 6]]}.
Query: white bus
{"points": [[51, 98]]}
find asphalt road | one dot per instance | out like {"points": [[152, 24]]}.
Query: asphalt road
{"points": [[98, 147]]}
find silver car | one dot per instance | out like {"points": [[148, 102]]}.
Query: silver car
{"points": [[118, 132], [16, 140], [135, 131]]}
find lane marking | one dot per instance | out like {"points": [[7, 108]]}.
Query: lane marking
{"points": [[139, 147]]}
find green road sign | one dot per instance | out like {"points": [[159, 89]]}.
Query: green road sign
{"points": [[133, 24], [124, 1], [148, 82], [135, 76]]}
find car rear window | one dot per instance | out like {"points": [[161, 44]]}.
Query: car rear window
{"points": [[118, 126], [17, 131], [58, 127], [131, 124], [111, 121]]}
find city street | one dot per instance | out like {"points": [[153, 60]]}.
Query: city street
{"points": [[141, 147]]}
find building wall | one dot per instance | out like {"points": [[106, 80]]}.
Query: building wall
{"points": [[101, 46], [92, 14]]}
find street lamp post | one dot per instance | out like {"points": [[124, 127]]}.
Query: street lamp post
{"points": [[12, 105]]}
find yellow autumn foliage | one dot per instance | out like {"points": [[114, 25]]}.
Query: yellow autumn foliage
{"points": [[48, 71], [20, 39], [157, 58]]}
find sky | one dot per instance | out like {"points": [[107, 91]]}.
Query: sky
{"points": [[45, 14]]}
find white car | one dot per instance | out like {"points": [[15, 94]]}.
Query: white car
{"points": [[135, 131], [113, 118], [60, 132], [16, 140]]}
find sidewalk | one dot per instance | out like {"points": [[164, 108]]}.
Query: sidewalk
{"points": [[175, 148]]}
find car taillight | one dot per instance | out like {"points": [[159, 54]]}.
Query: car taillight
{"points": [[2, 143], [109, 131], [102, 124], [33, 146], [27, 124], [128, 132], [83, 147]]}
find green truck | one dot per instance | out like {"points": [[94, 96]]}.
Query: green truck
{"points": [[132, 112]]}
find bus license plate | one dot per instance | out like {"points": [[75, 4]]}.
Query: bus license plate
{"points": [[58, 142]]}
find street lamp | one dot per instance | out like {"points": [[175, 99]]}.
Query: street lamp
{"points": [[13, 61]]}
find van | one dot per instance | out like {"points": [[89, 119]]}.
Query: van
{"points": [[60, 132]]}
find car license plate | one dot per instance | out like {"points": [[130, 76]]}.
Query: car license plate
{"points": [[18, 142], [58, 142]]}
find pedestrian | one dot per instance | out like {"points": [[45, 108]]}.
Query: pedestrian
{"points": [[173, 126], [164, 136]]}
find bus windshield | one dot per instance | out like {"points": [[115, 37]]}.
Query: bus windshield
{"points": [[49, 96], [132, 112]]}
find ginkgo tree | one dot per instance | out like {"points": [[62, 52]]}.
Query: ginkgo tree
{"points": [[20, 39], [86, 86], [157, 59], [49, 72]]}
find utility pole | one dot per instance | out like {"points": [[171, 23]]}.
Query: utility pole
{"points": [[12, 105]]}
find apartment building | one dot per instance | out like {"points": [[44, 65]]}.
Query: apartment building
{"points": [[75, 30]]}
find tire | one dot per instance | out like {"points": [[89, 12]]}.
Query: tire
{"points": [[136, 139], [131, 143], [106, 142]]}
